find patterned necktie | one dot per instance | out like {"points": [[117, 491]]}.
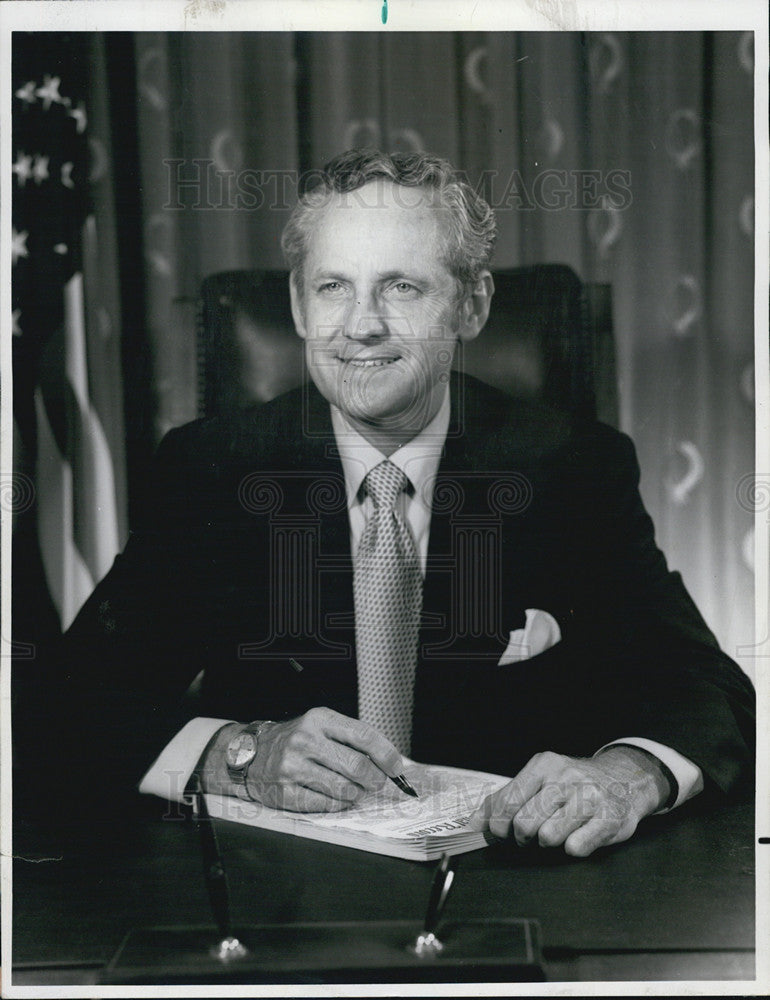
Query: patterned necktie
{"points": [[387, 586]]}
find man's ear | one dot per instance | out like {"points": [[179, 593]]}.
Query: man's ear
{"points": [[297, 312], [474, 310]]}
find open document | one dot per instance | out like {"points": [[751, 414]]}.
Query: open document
{"points": [[386, 821]]}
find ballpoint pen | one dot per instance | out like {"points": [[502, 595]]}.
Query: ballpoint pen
{"points": [[399, 780], [427, 943], [228, 947]]}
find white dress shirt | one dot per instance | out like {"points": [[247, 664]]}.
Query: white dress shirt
{"points": [[419, 460]]}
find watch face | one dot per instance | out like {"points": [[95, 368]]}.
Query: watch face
{"points": [[241, 750]]}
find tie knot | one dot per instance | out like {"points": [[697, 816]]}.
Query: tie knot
{"points": [[384, 483]]}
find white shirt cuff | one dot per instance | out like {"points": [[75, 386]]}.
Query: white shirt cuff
{"points": [[171, 771], [689, 776]]}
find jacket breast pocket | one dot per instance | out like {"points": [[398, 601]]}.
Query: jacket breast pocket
{"points": [[539, 634]]}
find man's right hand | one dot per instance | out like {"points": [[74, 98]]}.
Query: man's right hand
{"points": [[320, 762]]}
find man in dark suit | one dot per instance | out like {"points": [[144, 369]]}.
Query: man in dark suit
{"points": [[464, 578]]}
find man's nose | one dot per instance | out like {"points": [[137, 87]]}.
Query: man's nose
{"points": [[365, 319]]}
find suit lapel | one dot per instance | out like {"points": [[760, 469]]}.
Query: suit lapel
{"points": [[471, 598], [465, 586], [319, 569]]}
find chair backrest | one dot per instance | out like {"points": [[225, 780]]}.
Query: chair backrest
{"points": [[548, 336]]}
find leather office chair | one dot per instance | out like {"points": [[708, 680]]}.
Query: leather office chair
{"points": [[548, 335]]}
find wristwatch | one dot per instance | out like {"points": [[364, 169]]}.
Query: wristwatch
{"points": [[241, 751]]}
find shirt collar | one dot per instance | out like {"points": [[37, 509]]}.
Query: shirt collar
{"points": [[418, 459]]}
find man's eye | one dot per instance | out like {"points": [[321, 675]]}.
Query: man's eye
{"points": [[404, 287], [330, 287]]}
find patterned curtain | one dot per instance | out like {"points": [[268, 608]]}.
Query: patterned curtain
{"points": [[627, 156]]}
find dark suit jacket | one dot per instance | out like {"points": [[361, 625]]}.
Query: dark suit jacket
{"points": [[241, 559]]}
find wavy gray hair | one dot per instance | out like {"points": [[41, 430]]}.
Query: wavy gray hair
{"points": [[471, 225]]}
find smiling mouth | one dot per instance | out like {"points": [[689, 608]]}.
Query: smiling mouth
{"points": [[369, 362]]}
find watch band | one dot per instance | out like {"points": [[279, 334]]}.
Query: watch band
{"points": [[238, 775]]}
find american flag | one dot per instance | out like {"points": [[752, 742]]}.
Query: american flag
{"points": [[66, 381]]}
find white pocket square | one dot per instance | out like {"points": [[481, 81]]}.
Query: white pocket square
{"points": [[540, 633]]}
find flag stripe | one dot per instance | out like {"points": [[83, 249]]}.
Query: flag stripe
{"points": [[75, 367], [95, 524], [75, 433], [69, 581]]}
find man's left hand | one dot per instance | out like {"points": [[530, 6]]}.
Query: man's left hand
{"points": [[580, 803]]}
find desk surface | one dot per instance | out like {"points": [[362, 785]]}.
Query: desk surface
{"points": [[676, 902]]}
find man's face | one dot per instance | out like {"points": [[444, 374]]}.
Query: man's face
{"points": [[379, 309]]}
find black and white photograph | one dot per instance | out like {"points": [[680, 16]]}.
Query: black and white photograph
{"points": [[385, 498]]}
